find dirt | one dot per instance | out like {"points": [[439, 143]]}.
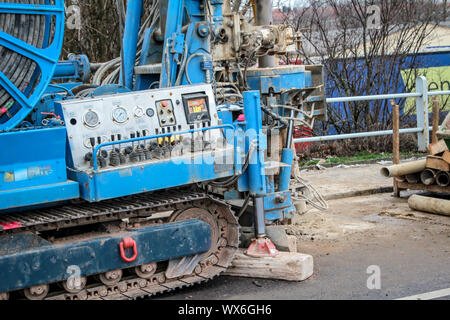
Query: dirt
{"points": [[365, 220]]}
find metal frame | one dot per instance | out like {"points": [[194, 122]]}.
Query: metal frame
{"points": [[46, 58], [422, 111], [225, 126]]}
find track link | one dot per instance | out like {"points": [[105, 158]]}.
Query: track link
{"points": [[85, 213], [217, 261]]}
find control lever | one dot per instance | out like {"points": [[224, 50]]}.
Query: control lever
{"points": [[102, 155], [114, 159], [134, 156], [140, 149], [123, 159], [88, 157]]}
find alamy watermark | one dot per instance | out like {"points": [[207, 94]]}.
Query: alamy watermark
{"points": [[73, 16], [74, 282], [374, 280], [373, 17]]}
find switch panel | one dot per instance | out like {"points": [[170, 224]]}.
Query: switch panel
{"points": [[166, 113], [120, 117]]}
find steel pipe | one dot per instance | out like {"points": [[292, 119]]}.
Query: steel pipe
{"points": [[259, 216], [130, 41], [358, 135], [264, 17], [403, 169]]}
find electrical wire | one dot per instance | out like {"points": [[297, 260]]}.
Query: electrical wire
{"points": [[230, 181], [317, 200]]}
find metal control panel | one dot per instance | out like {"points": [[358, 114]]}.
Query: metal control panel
{"points": [[106, 119]]}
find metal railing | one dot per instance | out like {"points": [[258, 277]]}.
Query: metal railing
{"points": [[422, 114]]}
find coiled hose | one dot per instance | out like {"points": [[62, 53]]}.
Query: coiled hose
{"points": [[16, 67]]}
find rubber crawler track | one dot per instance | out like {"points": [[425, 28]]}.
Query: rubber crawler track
{"points": [[178, 201]]}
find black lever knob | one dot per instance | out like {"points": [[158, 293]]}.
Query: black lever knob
{"points": [[88, 157]]}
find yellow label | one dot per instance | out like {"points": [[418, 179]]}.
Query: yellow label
{"points": [[438, 79], [8, 177]]}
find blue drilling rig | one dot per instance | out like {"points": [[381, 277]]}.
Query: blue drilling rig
{"points": [[121, 178]]}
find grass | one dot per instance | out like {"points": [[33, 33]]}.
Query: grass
{"points": [[359, 157]]}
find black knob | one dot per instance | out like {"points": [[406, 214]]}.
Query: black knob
{"points": [[128, 150], [88, 157]]}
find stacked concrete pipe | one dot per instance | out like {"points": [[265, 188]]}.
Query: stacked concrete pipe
{"points": [[404, 169]]}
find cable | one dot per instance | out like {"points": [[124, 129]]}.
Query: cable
{"points": [[317, 200], [244, 207], [228, 182], [186, 70], [62, 88], [15, 66]]}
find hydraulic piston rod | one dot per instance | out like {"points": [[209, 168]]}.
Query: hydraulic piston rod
{"points": [[264, 17]]}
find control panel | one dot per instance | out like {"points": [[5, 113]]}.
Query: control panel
{"points": [[112, 119]]}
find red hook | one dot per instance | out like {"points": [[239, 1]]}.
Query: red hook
{"points": [[126, 244]]}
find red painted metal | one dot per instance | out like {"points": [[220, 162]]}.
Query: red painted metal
{"points": [[302, 132], [262, 248], [128, 243]]}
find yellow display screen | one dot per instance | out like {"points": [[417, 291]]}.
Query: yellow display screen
{"points": [[197, 106]]}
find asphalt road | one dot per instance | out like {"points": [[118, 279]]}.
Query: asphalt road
{"points": [[411, 250]]}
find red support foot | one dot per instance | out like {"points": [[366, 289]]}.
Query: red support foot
{"points": [[262, 248]]}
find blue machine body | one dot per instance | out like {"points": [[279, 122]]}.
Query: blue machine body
{"points": [[168, 51], [37, 166], [33, 168], [140, 178], [28, 260]]}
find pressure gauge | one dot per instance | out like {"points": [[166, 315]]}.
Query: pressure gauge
{"points": [[91, 119], [120, 115], [138, 112], [150, 112]]}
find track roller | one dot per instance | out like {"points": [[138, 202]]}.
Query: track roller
{"points": [[75, 285], [111, 278], [146, 271], [37, 292]]}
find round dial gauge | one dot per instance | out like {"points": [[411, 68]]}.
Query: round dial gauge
{"points": [[138, 112], [120, 115], [91, 119]]}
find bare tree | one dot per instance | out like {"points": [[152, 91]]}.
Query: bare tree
{"points": [[363, 45], [99, 36]]}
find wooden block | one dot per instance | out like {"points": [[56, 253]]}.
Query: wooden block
{"points": [[446, 156], [286, 266], [438, 147], [292, 240], [437, 163]]}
